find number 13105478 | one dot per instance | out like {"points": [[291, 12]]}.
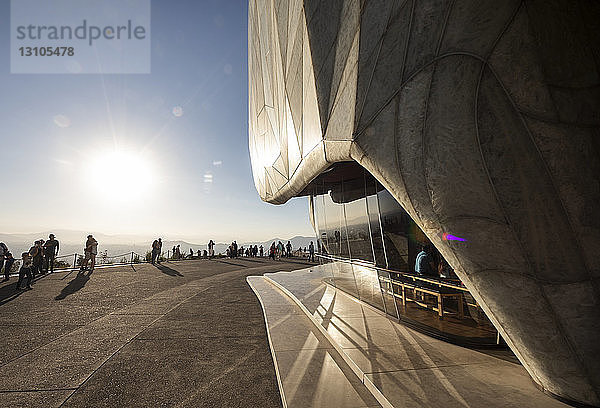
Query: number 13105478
{"points": [[46, 51]]}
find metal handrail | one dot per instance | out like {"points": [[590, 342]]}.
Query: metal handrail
{"points": [[406, 274]]}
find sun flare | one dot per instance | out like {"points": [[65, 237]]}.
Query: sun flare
{"points": [[120, 176]]}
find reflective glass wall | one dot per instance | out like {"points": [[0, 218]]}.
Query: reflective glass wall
{"points": [[369, 245]]}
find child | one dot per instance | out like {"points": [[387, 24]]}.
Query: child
{"points": [[25, 270]]}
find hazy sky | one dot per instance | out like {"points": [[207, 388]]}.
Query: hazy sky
{"points": [[181, 131]]}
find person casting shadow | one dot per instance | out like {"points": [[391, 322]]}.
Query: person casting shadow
{"points": [[74, 285]]}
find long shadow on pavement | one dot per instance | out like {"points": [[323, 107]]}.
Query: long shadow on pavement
{"points": [[9, 292], [74, 285], [168, 271], [232, 263]]}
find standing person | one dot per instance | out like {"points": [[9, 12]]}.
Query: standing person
{"points": [[272, 251], [174, 249], [90, 251], [8, 265], [159, 250], [3, 251], [155, 249], [211, 249], [37, 258], [261, 250], [279, 249], [25, 271], [235, 249], [51, 248], [178, 251], [288, 247], [311, 252], [424, 262]]}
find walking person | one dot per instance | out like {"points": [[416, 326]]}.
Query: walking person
{"points": [[51, 248], [260, 250], [311, 252], [25, 270], [90, 251], [8, 265], [288, 247]]}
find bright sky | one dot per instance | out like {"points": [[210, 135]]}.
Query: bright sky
{"points": [[165, 153]]}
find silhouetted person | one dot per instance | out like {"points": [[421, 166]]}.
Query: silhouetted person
{"points": [[261, 250], [8, 265], [311, 252], [3, 252], [155, 249], [90, 252], [51, 248], [37, 256], [25, 271], [159, 250], [211, 248]]}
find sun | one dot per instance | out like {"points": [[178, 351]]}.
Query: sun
{"points": [[120, 176]]}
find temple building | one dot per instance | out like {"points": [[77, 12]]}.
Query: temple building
{"points": [[466, 131]]}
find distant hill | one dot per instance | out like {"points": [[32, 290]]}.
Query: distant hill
{"points": [[73, 241]]}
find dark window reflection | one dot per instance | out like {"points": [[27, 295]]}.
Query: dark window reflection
{"points": [[358, 219]]}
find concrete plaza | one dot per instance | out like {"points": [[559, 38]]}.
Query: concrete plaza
{"points": [[188, 333]]}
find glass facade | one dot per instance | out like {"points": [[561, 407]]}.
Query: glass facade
{"points": [[370, 245]]}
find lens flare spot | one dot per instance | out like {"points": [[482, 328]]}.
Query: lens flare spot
{"points": [[448, 237], [178, 111]]}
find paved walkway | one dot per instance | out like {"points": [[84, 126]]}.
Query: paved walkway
{"points": [[401, 367], [311, 372], [184, 334]]}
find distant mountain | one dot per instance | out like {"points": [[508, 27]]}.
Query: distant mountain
{"points": [[73, 241]]}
